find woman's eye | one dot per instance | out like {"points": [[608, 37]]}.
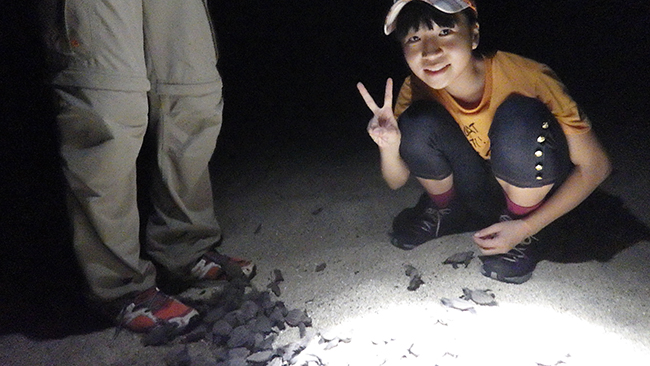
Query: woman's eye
{"points": [[445, 32], [412, 39]]}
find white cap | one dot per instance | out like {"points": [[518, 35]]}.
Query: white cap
{"points": [[445, 6]]}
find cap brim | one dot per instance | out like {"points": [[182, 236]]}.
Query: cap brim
{"points": [[389, 23], [445, 6]]}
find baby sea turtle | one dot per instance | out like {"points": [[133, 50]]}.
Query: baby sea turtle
{"points": [[459, 304], [481, 297], [460, 258], [416, 277], [411, 271]]}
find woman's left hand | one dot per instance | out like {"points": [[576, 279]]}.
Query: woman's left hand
{"points": [[502, 236]]}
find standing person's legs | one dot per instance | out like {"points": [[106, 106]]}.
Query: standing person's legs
{"points": [[186, 116], [100, 79], [101, 134]]}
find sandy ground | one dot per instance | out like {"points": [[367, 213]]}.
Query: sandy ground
{"points": [[301, 207]]}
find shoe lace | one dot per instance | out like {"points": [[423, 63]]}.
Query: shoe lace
{"points": [[518, 252], [436, 215]]}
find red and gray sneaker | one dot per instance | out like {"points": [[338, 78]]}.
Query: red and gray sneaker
{"points": [[215, 266], [152, 308]]}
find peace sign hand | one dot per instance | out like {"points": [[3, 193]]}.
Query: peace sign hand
{"points": [[382, 128]]}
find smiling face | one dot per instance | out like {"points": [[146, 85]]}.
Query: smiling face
{"points": [[442, 56]]}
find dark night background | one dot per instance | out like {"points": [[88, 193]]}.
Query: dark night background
{"points": [[289, 69]]}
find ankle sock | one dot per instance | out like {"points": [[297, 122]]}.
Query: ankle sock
{"points": [[443, 200], [520, 211]]}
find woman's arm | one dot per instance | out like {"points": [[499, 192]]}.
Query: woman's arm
{"points": [[592, 166], [393, 168], [384, 131]]}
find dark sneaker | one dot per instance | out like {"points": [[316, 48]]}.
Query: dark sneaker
{"points": [[152, 308], [214, 266], [417, 225], [517, 265]]}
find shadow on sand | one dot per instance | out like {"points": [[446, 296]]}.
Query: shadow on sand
{"points": [[597, 229]]}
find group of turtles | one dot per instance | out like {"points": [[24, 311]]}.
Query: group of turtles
{"points": [[470, 297]]}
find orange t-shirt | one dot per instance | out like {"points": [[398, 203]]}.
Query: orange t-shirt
{"points": [[506, 74]]}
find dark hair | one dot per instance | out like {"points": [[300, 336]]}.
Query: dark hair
{"points": [[418, 13]]}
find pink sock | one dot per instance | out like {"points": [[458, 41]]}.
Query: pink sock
{"points": [[520, 211], [442, 200]]}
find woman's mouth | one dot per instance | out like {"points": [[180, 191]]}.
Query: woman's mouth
{"points": [[435, 71]]}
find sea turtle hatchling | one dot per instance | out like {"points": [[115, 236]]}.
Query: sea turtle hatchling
{"points": [[460, 258], [480, 297], [416, 277], [458, 304]]}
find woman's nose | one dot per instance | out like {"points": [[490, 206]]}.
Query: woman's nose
{"points": [[430, 49]]}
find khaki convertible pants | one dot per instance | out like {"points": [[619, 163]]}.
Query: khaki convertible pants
{"points": [[122, 67]]}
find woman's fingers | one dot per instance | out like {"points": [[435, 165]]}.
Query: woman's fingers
{"points": [[388, 97], [367, 98], [388, 94]]}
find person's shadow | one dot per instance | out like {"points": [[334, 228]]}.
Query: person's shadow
{"points": [[598, 229], [40, 282]]}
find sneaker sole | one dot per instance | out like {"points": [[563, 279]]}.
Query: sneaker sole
{"points": [[396, 243], [518, 280], [187, 322]]}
